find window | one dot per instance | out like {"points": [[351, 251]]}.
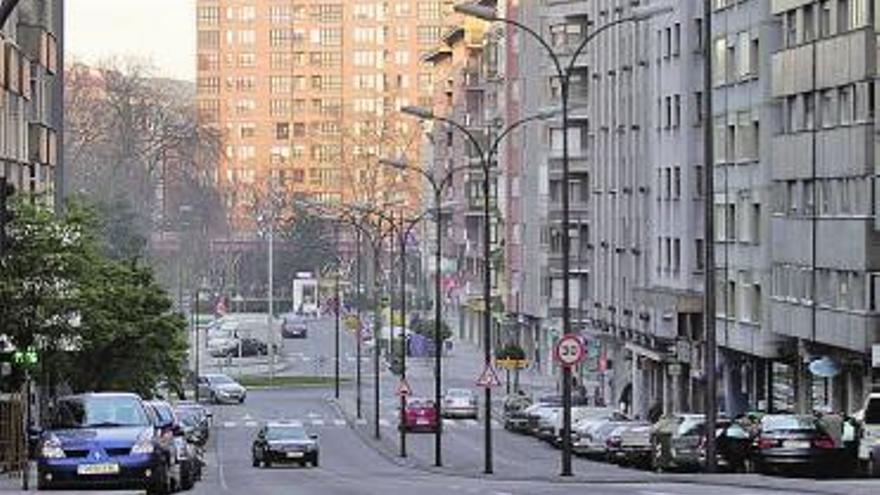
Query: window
{"points": [[809, 23], [676, 39], [247, 37], [720, 63], [843, 16], [282, 130], [825, 18], [428, 34], [699, 255], [744, 53], [698, 181], [791, 28], [676, 255], [676, 182]]}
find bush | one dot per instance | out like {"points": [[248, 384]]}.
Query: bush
{"points": [[510, 351], [425, 328]]}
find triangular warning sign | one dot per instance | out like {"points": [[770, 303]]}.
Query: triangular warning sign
{"points": [[403, 388], [488, 378]]}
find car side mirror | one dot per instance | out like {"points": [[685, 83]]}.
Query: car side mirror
{"points": [[313, 436]]}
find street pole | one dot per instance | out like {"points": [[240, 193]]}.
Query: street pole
{"points": [[271, 297], [487, 312], [404, 346], [566, 277], [336, 333], [438, 340], [709, 240], [197, 349], [358, 332], [377, 322]]}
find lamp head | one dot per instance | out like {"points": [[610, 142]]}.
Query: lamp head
{"points": [[420, 112], [477, 11]]}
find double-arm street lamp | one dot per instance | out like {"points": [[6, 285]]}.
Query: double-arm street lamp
{"points": [[486, 157], [564, 73]]}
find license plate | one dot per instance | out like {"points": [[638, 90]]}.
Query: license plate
{"points": [[106, 468], [294, 455], [795, 444], [422, 421]]}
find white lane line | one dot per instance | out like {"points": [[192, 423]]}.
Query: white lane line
{"points": [[384, 422], [496, 425], [448, 423], [470, 423], [339, 422], [250, 424], [361, 422], [229, 424], [317, 422]]}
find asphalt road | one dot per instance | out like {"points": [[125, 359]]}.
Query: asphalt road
{"points": [[351, 466]]}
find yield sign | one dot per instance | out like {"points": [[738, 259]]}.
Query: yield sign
{"points": [[488, 378], [403, 388]]}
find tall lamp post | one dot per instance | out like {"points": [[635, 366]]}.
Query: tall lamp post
{"points": [[486, 156], [564, 73]]}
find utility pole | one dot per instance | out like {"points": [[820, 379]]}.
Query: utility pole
{"points": [[709, 240], [336, 309], [358, 332], [269, 316]]}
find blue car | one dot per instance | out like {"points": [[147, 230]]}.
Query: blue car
{"points": [[103, 440]]}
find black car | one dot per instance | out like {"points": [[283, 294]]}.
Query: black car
{"points": [[279, 443], [796, 442], [294, 329]]}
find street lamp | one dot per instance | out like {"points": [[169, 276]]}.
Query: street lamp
{"points": [[564, 73], [486, 160]]}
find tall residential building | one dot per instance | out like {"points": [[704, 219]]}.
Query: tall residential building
{"points": [[824, 235], [30, 89], [307, 93]]}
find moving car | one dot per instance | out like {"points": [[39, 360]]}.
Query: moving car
{"points": [[420, 415], [294, 328], [459, 403], [98, 440], [281, 442], [220, 389], [789, 441]]}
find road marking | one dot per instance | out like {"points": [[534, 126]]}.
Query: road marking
{"points": [[229, 424], [361, 422], [250, 424], [448, 423], [470, 422], [384, 422], [496, 424], [339, 422], [317, 422], [312, 414], [247, 417]]}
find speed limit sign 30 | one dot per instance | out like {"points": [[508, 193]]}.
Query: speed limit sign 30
{"points": [[570, 350]]}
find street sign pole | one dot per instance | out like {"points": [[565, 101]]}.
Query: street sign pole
{"points": [[569, 352]]}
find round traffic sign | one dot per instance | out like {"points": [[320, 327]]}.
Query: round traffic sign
{"points": [[570, 350]]}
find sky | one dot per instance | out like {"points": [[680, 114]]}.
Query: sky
{"points": [[161, 32]]}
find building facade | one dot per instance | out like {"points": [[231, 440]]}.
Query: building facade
{"points": [[306, 93]]}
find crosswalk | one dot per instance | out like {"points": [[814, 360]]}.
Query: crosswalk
{"points": [[390, 421]]}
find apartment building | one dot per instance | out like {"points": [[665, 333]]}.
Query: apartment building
{"points": [[30, 83], [824, 259], [306, 92]]}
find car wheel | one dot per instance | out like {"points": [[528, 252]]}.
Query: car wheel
{"points": [[315, 461], [187, 476], [241, 401], [255, 462], [161, 484]]}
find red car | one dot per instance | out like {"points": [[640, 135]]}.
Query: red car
{"points": [[420, 415]]}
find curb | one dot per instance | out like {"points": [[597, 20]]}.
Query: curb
{"points": [[640, 477]]}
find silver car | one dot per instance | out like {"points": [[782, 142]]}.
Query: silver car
{"points": [[220, 389], [460, 403]]}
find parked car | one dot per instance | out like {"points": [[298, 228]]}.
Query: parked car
{"points": [[580, 414], [220, 389], [790, 442], [590, 438], [420, 415], [870, 435], [630, 444], [222, 347], [281, 442], [184, 461], [678, 441], [195, 420], [458, 403], [103, 440], [516, 413]]}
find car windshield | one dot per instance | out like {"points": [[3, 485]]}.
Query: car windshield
{"points": [[458, 393], [220, 380], [88, 412], [420, 403], [786, 423], [286, 433]]}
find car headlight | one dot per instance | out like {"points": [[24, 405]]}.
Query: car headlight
{"points": [[222, 392], [143, 445], [52, 448]]}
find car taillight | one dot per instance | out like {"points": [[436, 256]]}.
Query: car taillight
{"points": [[823, 442], [767, 443]]}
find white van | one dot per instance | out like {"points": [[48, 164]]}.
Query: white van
{"points": [[869, 445]]}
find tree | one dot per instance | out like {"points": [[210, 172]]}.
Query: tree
{"points": [[97, 322], [425, 328]]}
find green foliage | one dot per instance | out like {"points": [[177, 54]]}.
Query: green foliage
{"points": [[510, 351], [98, 323], [426, 329], [121, 229]]}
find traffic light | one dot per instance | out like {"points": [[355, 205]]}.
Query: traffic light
{"points": [[26, 358], [7, 191]]}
